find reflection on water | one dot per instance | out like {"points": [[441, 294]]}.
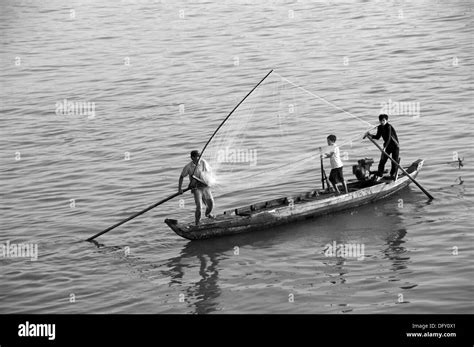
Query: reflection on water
{"points": [[395, 251], [386, 265], [339, 269], [204, 292]]}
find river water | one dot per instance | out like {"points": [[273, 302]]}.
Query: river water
{"points": [[162, 75]]}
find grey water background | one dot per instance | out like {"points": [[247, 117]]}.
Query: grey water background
{"points": [[139, 61]]}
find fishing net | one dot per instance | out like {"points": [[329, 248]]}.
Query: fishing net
{"points": [[270, 145]]}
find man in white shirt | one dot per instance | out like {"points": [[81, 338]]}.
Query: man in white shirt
{"points": [[198, 173], [336, 176]]}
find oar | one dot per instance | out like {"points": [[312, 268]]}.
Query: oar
{"points": [[137, 214], [400, 167]]}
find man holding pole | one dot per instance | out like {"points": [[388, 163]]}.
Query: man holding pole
{"points": [[391, 145], [199, 172]]}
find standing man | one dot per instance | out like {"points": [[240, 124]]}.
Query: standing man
{"points": [[390, 145], [197, 170]]}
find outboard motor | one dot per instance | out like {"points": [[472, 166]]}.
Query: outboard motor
{"points": [[362, 169]]}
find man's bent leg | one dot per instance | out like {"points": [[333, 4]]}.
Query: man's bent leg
{"points": [[345, 186], [197, 199], [333, 181], [209, 199]]}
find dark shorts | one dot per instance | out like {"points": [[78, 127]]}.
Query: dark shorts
{"points": [[196, 184], [336, 175]]}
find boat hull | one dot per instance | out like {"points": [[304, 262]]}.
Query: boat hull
{"points": [[291, 209]]}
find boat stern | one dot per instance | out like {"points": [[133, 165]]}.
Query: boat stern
{"points": [[172, 223]]}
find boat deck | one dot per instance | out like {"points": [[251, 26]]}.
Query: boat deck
{"points": [[318, 194]]}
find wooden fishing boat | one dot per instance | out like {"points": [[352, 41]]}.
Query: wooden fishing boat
{"points": [[285, 210]]}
